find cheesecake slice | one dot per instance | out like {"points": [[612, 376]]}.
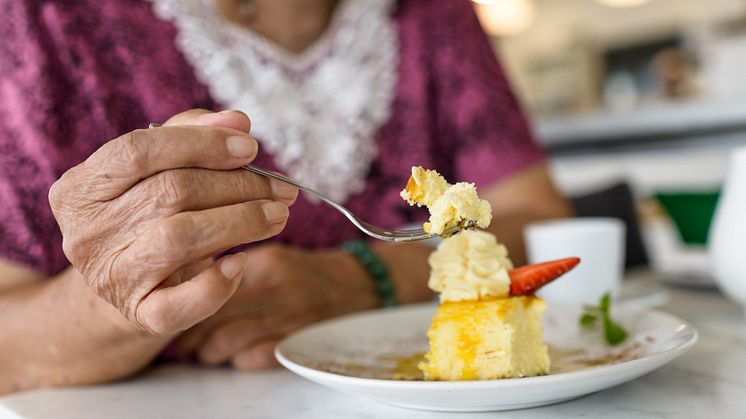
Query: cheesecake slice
{"points": [[487, 339], [480, 331], [488, 324]]}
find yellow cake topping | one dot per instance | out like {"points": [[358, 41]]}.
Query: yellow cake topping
{"points": [[449, 205], [424, 187], [470, 266]]}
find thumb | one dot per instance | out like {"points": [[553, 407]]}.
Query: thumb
{"points": [[230, 118], [173, 309]]}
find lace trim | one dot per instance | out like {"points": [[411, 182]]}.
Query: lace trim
{"points": [[316, 112]]}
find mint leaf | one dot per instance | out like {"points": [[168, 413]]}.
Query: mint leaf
{"points": [[605, 304], [615, 334], [588, 319]]}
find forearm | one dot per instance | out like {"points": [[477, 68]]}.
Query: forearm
{"points": [[523, 198], [58, 332]]}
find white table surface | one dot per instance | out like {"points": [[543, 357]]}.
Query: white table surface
{"points": [[707, 382]]}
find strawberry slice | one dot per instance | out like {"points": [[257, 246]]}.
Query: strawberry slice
{"points": [[527, 279]]}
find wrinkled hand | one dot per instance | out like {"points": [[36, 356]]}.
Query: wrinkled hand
{"points": [[282, 290], [142, 216]]}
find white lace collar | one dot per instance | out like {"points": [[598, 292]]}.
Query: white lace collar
{"points": [[316, 112]]}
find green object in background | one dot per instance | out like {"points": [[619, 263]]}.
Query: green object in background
{"points": [[691, 212]]}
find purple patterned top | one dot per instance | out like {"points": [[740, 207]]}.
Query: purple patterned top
{"points": [[76, 74]]}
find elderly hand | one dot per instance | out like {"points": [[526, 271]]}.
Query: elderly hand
{"points": [[282, 290], [142, 216]]}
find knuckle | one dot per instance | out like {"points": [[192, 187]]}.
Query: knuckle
{"points": [[274, 253], [76, 245], [134, 147], [72, 249], [172, 238], [227, 338], [170, 231], [55, 194], [267, 257], [172, 188], [60, 191], [254, 186], [253, 211], [157, 320]]}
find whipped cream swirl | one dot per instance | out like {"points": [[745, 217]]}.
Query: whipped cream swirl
{"points": [[470, 266]]}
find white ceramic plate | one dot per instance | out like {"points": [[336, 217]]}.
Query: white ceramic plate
{"points": [[358, 354], [641, 290]]}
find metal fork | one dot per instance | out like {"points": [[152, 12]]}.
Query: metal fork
{"points": [[367, 228]]}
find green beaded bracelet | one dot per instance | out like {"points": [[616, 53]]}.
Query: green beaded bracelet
{"points": [[380, 273]]}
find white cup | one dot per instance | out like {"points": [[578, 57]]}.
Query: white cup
{"points": [[597, 241], [728, 233]]}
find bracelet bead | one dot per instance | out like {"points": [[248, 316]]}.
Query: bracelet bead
{"points": [[377, 270]]}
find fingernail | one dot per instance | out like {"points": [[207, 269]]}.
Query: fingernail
{"points": [[230, 111], [275, 212], [232, 265], [282, 190], [241, 146]]}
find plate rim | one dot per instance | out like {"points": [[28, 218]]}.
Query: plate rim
{"points": [[668, 354]]}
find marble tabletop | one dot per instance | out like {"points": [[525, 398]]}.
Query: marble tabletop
{"points": [[709, 381]]}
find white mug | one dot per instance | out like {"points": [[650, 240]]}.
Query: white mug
{"points": [[597, 241], [727, 242]]}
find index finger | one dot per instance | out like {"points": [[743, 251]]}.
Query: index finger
{"points": [[125, 161]]}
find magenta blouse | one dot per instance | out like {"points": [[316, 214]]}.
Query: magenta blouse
{"points": [[77, 74]]}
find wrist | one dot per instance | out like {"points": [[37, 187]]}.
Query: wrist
{"points": [[347, 275], [79, 294]]}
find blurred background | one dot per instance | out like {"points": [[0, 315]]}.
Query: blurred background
{"points": [[639, 103]]}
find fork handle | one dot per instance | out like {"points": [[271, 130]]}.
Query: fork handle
{"points": [[281, 178]]}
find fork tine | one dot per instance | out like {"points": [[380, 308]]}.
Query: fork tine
{"points": [[367, 228]]}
